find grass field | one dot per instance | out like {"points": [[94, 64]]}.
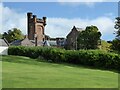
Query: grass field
{"points": [[23, 72]]}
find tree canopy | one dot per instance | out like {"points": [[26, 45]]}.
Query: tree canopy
{"points": [[89, 38], [116, 41], [14, 34], [105, 45], [117, 26]]}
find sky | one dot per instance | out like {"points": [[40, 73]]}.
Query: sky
{"points": [[62, 16]]}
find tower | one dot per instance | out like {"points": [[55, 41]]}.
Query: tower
{"points": [[36, 27]]}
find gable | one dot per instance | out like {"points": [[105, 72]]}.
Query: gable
{"points": [[72, 33], [27, 42]]}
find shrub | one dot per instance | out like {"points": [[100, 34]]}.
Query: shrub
{"points": [[95, 58]]}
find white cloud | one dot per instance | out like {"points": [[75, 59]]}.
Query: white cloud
{"points": [[57, 27], [75, 4], [0, 16], [12, 19]]}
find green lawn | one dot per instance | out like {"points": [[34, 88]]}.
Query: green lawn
{"points": [[23, 72]]}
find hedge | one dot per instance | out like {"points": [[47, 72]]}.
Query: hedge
{"points": [[95, 58]]}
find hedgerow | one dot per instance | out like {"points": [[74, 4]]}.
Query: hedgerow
{"points": [[95, 58]]}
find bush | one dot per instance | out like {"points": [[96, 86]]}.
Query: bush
{"points": [[95, 58]]}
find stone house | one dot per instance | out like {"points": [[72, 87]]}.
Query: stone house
{"points": [[71, 41]]}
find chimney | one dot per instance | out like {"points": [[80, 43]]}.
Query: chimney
{"points": [[35, 18], [44, 19], [29, 15]]}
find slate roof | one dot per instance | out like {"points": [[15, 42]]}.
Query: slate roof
{"points": [[52, 43], [75, 28], [46, 43], [3, 42], [24, 42], [16, 42]]}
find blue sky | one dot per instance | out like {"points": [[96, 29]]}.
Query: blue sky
{"points": [[61, 16], [65, 10]]}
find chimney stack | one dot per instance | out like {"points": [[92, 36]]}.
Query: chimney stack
{"points": [[29, 14], [44, 19], [34, 18]]}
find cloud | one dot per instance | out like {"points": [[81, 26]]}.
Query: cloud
{"points": [[75, 4], [57, 27], [13, 19], [89, 3], [0, 16]]}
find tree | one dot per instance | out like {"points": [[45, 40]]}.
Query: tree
{"points": [[89, 38], [105, 45], [116, 44], [14, 34], [116, 41], [117, 26]]}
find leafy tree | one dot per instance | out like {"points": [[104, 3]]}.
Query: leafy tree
{"points": [[14, 34], [116, 41], [116, 44], [117, 26], [89, 38]]}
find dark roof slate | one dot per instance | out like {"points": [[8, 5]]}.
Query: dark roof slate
{"points": [[3, 42]]}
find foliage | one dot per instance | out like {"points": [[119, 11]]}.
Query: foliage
{"points": [[117, 26], [105, 45], [116, 45], [14, 34], [95, 58], [116, 41], [89, 39]]}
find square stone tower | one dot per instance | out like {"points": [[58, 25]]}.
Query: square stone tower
{"points": [[36, 27]]}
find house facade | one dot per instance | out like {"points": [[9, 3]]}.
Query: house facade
{"points": [[71, 41]]}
